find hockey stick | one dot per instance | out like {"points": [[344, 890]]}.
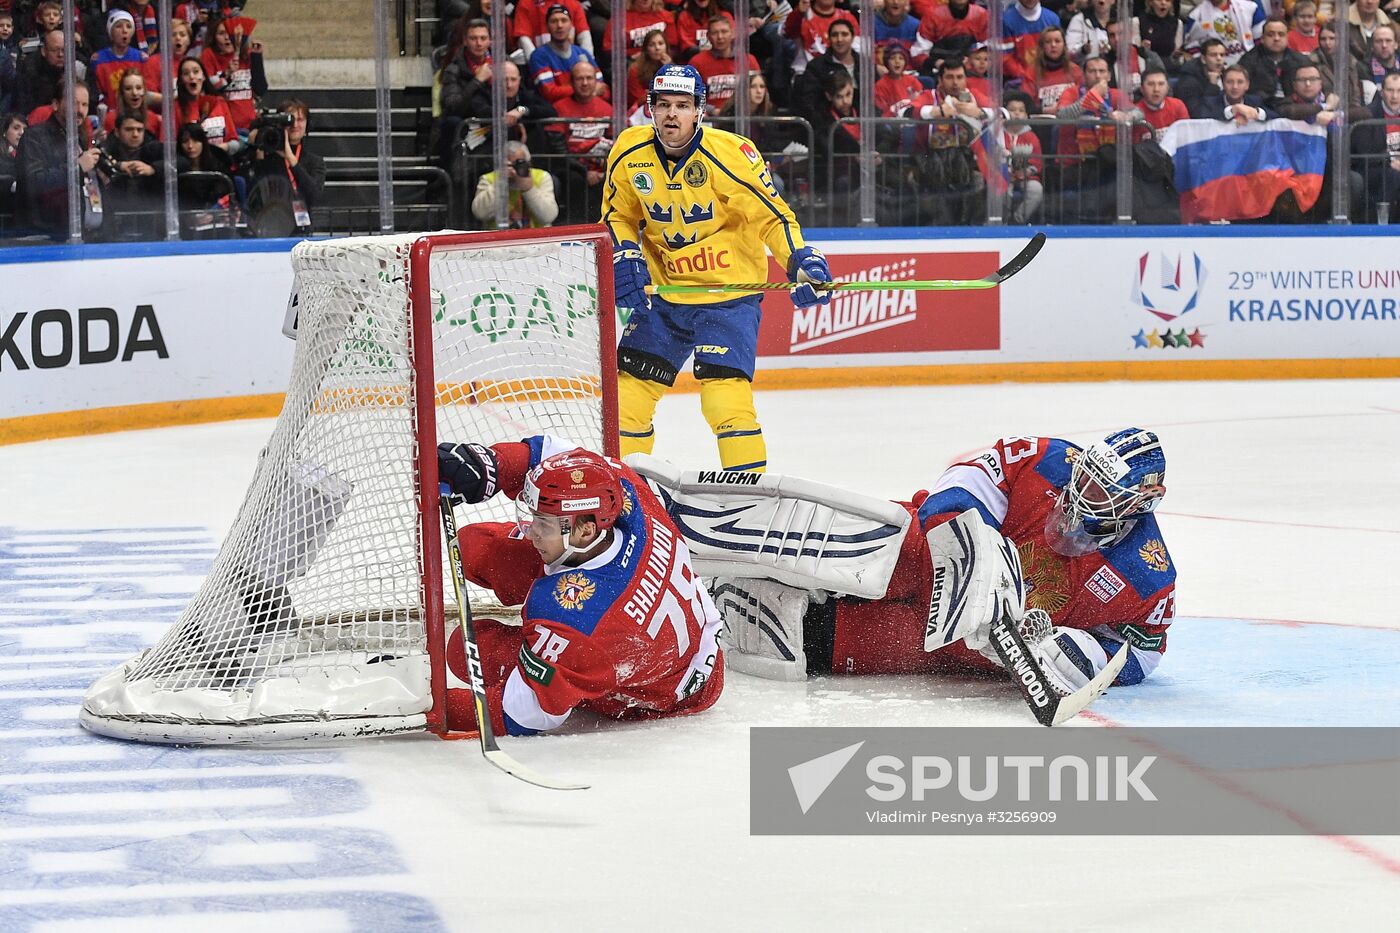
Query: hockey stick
{"points": [[1050, 706], [1014, 265], [489, 748]]}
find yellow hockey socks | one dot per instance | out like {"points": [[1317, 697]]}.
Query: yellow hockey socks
{"points": [[728, 406], [636, 404]]}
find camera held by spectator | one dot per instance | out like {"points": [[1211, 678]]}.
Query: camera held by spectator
{"points": [[529, 191], [286, 179], [271, 127]]}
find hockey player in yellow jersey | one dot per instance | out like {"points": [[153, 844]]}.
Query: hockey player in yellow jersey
{"points": [[692, 205]]}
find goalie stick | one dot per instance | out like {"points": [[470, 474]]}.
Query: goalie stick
{"points": [[1049, 706], [1014, 265], [489, 748]]}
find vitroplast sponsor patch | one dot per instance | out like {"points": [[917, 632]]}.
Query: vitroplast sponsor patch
{"points": [[888, 321]]}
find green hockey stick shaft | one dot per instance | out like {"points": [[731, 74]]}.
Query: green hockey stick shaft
{"points": [[908, 285], [1014, 265]]}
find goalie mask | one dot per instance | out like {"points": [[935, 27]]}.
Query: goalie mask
{"points": [[566, 487], [1112, 483]]}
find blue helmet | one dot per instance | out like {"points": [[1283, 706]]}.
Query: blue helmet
{"points": [[678, 79], [1112, 483]]}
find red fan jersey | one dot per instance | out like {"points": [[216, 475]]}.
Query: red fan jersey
{"points": [[210, 112], [233, 78], [690, 32], [1125, 592], [809, 31], [718, 74], [639, 23], [894, 94], [584, 137], [529, 21], [1052, 85], [631, 633], [941, 25]]}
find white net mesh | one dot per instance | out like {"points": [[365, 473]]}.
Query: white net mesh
{"points": [[314, 612]]}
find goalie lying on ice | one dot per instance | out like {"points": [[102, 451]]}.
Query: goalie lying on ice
{"points": [[1061, 539]]}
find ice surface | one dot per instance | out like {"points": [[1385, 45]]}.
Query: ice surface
{"points": [[1283, 517]]}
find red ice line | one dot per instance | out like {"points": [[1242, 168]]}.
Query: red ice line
{"points": [[1354, 846]]}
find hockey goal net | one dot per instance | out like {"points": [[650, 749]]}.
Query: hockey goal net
{"points": [[328, 609]]}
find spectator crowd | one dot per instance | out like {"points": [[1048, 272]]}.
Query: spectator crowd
{"points": [[1063, 115], [239, 168]]}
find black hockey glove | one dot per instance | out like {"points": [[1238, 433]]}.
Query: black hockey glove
{"points": [[469, 470]]}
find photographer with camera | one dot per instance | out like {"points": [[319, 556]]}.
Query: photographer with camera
{"points": [[286, 178], [531, 192], [43, 169]]}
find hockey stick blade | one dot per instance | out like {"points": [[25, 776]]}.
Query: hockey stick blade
{"points": [[489, 749], [1079, 700], [516, 770], [1019, 261], [1049, 706], [1014, 265]]}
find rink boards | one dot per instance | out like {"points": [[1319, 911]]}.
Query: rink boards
{"points": [[100, 338]]}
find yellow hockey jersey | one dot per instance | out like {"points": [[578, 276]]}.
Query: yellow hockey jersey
{"points": [[700, 219]]}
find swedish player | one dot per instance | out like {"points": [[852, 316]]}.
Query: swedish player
{"points": [[694, 205]]}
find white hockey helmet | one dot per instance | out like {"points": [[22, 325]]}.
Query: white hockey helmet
{"points": [[1112, 483]]}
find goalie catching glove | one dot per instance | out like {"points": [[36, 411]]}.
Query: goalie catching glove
{"points": [[469, 471]]}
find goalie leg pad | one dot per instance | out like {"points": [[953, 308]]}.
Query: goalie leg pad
{"points": [[976, 578], [763, 627], [782, 528]]}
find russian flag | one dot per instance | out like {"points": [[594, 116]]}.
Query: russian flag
{"points": [[983, 149], [1229, 172]]}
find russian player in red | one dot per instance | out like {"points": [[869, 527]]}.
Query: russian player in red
{"points": [[1091, 557], [614, 618]]}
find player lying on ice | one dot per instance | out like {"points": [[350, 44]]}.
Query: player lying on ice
{"points": [[615, 619], [1062, 540]]}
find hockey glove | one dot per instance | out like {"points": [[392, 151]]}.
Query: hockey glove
{"points": [[469, 470], [808, 267], [630, 277]]}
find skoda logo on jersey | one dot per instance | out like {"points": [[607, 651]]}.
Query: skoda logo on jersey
{"points": [[1169, 286], [643, 183], [695, 175]]}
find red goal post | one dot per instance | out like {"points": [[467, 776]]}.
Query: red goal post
{"points": [[324, 614], [423, 311]]}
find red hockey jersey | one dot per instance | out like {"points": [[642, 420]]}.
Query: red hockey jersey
{"points": [[1125, 592], [631, 633]]}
